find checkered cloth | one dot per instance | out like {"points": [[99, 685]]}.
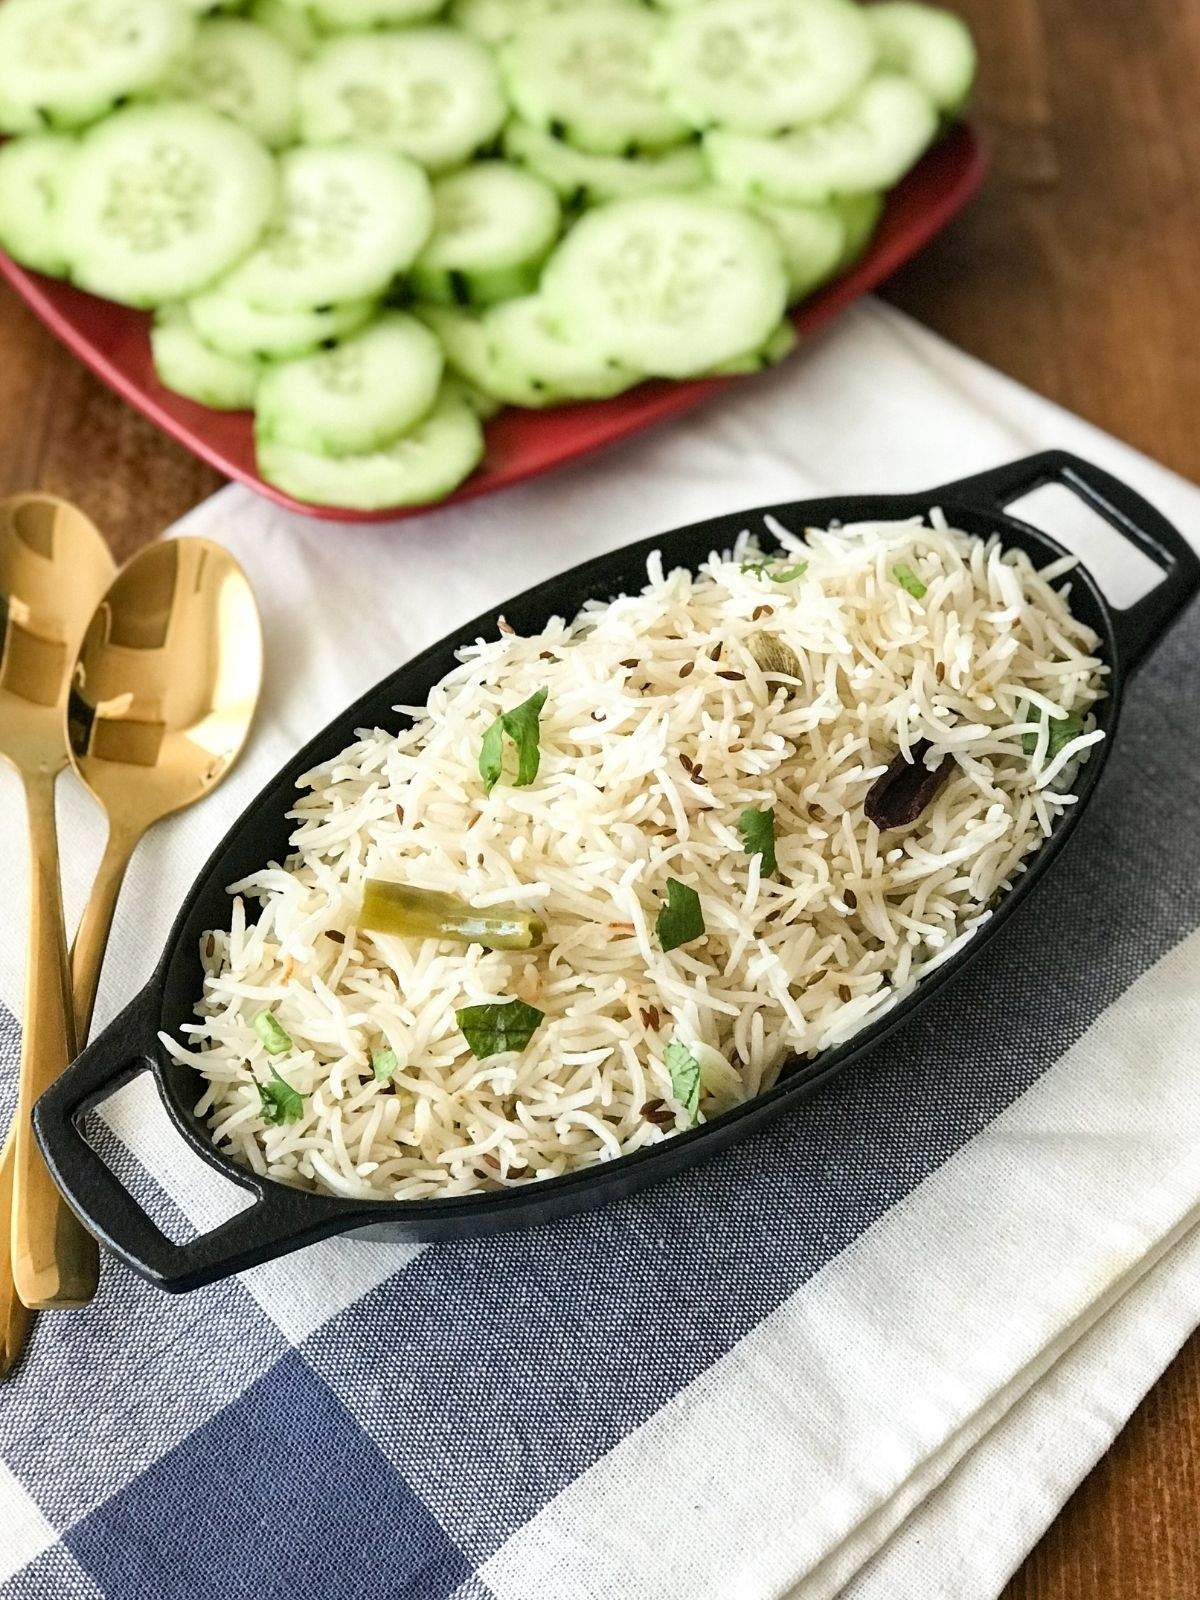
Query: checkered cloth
{"points": [[868, 1351]]}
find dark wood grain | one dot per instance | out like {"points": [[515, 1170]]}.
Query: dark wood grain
{"points": [[1078, 272]]}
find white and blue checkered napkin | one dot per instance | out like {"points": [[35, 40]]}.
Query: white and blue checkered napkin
{"points": [[868, 1352]]}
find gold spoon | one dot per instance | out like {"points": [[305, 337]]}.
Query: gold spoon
{"points": [[162, 697], [54, 567]]}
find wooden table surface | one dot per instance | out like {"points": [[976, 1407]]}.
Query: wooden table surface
{"points": [[1078, 272]]}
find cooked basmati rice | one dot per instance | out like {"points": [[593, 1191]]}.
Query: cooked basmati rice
{"points": [[659, 730]]}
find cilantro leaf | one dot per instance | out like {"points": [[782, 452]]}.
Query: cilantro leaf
{"points": [[762, 569], [523, 727], [757, 829], [907, 579], [383, 1065], [1062, 731], [492, 1029], [280, 1102], [685, 1077], [276, 1039], [681, 920]]}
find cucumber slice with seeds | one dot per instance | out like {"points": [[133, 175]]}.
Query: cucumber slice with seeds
{"points": [[497, 20], [672, 285], [932, 46], [351, 219], [186, 365], [589, 76], [870, 144], [160, 200], [243, 70], [31, 174], [357, 397], [580, 178], [234, 328], [523, 341], [760, 66], [433, 94], [70, 61], [493, 225], [419, 467]]}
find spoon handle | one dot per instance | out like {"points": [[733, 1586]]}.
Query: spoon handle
{"points": [[15, 1316], [55, 1261], [91, 937]]}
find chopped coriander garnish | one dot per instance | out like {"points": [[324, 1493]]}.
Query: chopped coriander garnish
{"points": [[763, 569], [907, 579], [522, 726], [492, 1029], [272, 1035], [383, 1065], [685, 1077], [1062, 731], [757, 829], [280, 1102], [681, 920]]}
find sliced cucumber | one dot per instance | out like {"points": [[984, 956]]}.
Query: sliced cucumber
{"points": [[580, 178], [371, 13], [813, 240], [162, 199], [770, 353], [588, 75], [497, 20], [870, 144], [420, 467], [760, 66], [493, 226], [186, 365], [351, 219], [292, 25], [860, 214], [234, 328], [669, 284], [357, 397], [469, 352], [70, 61], [928, 44], [523, 341], [241, 69], [31, 174], [430, 93]]}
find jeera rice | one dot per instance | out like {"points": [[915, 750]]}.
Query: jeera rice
{"points": [[693, 850]]}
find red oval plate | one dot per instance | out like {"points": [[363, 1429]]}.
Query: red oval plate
{"points": [[112, 341]]}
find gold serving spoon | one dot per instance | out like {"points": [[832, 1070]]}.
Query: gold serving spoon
{"points": [[54, 567], [163, 693]]}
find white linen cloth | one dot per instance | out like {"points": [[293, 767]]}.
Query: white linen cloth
{"points": [[968, 1356]]}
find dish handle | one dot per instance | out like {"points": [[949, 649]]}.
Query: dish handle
{"points": [[1137, 627], [280, 1219]]}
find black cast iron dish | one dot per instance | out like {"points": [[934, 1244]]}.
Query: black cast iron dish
{"points": [[282, 1218]]}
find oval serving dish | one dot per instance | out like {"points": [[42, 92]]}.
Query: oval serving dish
{"points": [[283, 1218]]}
